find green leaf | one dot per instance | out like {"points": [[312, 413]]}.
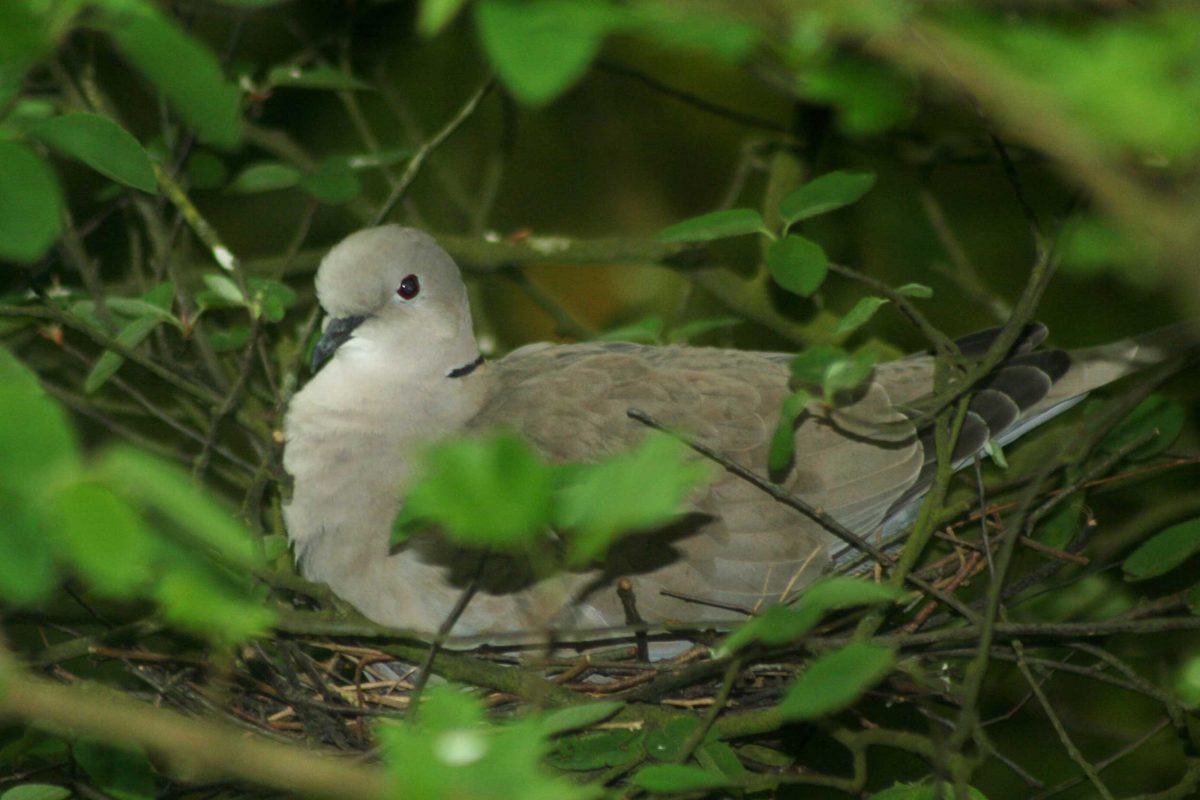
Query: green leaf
{"points": [[265, 176], [206, 170], [101, 144], [137, 307], [270, 298], [797, 264], [450, 752], [699, 327], [122, 774], [719, 758], [201, 601], [1155, 413], [996, 453], [170, 492], [858, 316], [785, 624], [813, 363], [666, 741], [671, 779], [676, 778], [848, 375], [716, 225], [36, 791], [179, 66], [836, 680], [107, 365], [824, 194], [539, 49], [30, 204], [232, 338], [1164, 551], [383, 158], [597, 750], [43, 443], [653, 480], [437, 14], [917, 290], [334, 183], [573, 718], [102, 538], [783, 440], [319, 77], [870, 98], [647, 330], [493, 492], [27, 573], [924, 791], [225, 288]]}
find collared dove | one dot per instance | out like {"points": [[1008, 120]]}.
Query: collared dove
{"points": [[402, 368]]}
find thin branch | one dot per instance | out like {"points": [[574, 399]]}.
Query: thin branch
{"points": [[418, 159]]}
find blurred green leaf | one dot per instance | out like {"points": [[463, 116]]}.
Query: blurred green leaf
{"points": [[107, 365], [813, 363], [996, 453], [540, 48], [43, 444], [232, 338], [797, 264], [664, 742], [716, 225], [27, 573], [785, 624], [270, 297], [199, 601], [597, 750], [173, 495], [676, 778], [334, 183], [179, 66], [834, 681], [719, 32], [102, 538], [719, 758], [30, 204], [318, 77], [699, 327], [137, 307], [858, 316], [1156, 415], [437, 14], [917, 290], [648, 330], [36, 791], [101, 144], [450, 752], [1164, 551], [492, 491], [573, 718], [783, 440], [120, 773], [652, 481], [383, 158], [924, 791], [265, 176], [870, 98], [1060, 528], [824, 194], [224, 287], [206, 170]]}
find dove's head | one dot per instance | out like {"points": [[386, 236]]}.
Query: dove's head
{"points": [[392, 292]]}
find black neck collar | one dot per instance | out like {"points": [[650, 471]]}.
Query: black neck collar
{"points": [[465, 369]]}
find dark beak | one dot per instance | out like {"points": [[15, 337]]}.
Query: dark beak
{"points": [[337, 333]]}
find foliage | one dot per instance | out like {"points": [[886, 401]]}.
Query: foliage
{"points": [[170, 178]]}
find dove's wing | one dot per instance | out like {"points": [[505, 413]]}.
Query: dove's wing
{"points": [[745, 549]]}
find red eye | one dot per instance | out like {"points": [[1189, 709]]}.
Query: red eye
{"points": [[409, 287]]}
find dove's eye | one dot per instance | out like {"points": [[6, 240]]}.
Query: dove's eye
{"points": [[409, 287]]}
